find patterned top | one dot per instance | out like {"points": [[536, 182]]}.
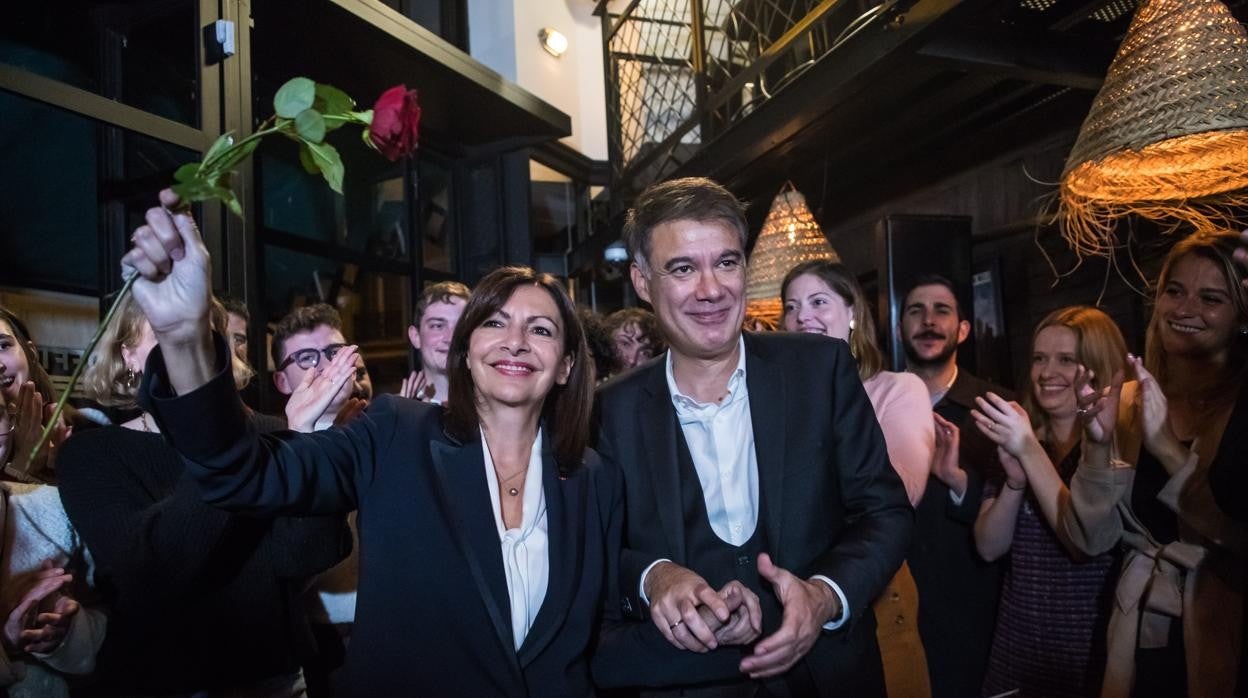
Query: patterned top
{"points": [[1050, 636]]}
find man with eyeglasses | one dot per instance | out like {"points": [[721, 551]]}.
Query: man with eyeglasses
{"points": [[306, 339], [304, 342]]}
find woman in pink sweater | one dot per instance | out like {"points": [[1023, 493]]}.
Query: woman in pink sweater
{"points": [[824, 298]]}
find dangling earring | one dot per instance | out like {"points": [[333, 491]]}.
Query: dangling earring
{"points": [[849, 339], [131, 377]]}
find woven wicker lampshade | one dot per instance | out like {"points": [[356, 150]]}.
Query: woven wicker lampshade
{"points": [[1167, 137], [789, 236]]}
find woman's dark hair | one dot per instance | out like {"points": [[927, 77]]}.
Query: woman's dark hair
{"points": [[566, 412]]}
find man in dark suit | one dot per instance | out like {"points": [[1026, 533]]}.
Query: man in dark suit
{"points": [[958, 590], [749, 462]]}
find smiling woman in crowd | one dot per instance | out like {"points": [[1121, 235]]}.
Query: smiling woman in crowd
{"points": [[1049, 638], [1177, 625]]}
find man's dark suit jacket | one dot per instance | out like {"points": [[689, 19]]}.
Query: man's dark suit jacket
{"points": [[958, 590], [433, 616], [833, 505]]}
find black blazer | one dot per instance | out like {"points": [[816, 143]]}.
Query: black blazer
{"points": [[833, 504], [432, 616]]}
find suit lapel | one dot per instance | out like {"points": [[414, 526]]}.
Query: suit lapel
{"points": [[767, 416], [465, 497], [659, 431], [565, 531]]}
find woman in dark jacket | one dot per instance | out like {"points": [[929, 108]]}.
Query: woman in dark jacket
{"points": [[483, 528]]}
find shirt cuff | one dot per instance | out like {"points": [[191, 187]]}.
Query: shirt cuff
{"points": [[834, 624], [956, 498], [641, 585]]}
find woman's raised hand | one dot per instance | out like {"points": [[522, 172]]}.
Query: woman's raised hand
{"points": [[174, 287], [21, 424], [1154, 409], [1005, 423], [1097, 409]]}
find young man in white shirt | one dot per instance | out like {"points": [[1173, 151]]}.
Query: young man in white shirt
{"points": [[437, 312]]}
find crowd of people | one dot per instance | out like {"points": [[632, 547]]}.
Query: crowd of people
{"points": [[684, 501]]}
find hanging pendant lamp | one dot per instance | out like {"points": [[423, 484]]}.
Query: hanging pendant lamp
{"points": [[1167, 136], [789, 237]]}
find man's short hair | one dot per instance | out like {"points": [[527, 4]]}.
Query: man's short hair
{"points": [[691, 198], [235, 306], [303, 319], [937, 280], [441, 292]]}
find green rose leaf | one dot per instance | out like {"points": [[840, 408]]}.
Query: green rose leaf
{"points": [[219, 146], [235, 155], [329, 163], [229, 199], [310, 125], [293, 97], [331, 100], [308, 162], [186, 173]]}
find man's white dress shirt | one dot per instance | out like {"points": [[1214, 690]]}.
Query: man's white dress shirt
{"points": [[720, 436]]}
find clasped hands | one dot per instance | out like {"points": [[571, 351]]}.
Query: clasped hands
{"points": [[693, 616], [42, 616]]}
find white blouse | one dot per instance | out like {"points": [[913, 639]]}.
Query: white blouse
{"points": [[526, 550]]}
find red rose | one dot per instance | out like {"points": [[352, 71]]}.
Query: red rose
{"points": [[395, 131]]}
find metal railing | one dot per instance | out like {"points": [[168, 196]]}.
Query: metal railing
{"points": [[681, 72]]}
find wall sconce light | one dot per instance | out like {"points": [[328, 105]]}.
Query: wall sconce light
{"points": [[554, 42]]}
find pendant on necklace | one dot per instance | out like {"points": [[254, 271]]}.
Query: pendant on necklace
{"points": [[513, 491]]}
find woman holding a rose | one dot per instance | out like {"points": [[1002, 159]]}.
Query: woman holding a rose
{"points": [[486, 525]]}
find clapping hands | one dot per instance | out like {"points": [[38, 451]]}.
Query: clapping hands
{"points": [[1097, 409], [417, 387], [40, 620], [945, 461], [21, 424], [1005, 423]]}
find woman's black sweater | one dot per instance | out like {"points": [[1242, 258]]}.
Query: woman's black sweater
{"points": [[198, 598]]}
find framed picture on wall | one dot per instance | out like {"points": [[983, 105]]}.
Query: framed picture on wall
{"points": [[988, 331]]}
